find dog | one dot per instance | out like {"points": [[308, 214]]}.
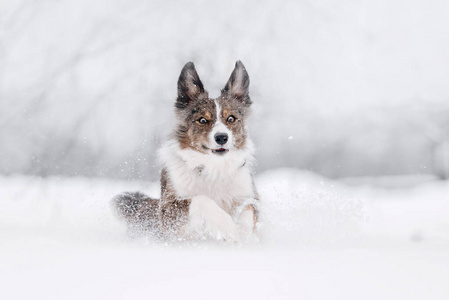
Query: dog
{"points": [[207, 177]]}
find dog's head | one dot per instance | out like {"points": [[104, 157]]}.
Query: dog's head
{"points": [[212, 126]]}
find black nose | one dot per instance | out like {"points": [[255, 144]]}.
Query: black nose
{"points": [[221, 138]]}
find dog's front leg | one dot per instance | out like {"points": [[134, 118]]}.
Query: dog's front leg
{"points": [[247, 217], [206, 216]]}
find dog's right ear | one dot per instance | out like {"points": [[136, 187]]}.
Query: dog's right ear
{"points": [[189, 86]]}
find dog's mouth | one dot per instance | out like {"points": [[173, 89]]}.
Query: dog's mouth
{"points": [[220, 151]]}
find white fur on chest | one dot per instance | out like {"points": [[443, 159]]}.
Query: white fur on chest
{"points": [[226, 179]]}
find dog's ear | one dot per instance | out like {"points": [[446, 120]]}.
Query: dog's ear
{"points": [[189, 85], [238, 84]]}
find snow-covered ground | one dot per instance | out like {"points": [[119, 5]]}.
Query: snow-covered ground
{"points": [[59, 239]]}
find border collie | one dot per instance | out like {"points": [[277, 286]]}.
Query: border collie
{"points": [[207, 186]]}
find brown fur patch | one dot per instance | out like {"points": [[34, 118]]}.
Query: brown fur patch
{"points": [[192, 134], [252, 207], [174, 212]]}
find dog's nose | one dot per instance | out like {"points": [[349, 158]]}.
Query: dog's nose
{"points": [[221, 138]]}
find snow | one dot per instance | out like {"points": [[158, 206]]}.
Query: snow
{"points": [[348, 89], [320, 239]]}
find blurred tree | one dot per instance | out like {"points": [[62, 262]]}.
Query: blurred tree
{"points": [[431, 120]]}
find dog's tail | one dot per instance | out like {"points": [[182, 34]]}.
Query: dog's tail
{"points": [[137, 209]]}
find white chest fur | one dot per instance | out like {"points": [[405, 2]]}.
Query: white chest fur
{"points": [[225, 179]]}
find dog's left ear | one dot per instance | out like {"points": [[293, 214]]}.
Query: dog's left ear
{"points": [[238, 84]]}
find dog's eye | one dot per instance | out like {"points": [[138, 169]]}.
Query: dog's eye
{"points": [[202, 120], [231, 119]]}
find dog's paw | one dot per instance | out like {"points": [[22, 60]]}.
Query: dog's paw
{"points": [[222, 227], [246, 223], [246, 220], [206, 216]]}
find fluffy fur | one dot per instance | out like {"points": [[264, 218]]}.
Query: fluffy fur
{"points": [[207, 187]]}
